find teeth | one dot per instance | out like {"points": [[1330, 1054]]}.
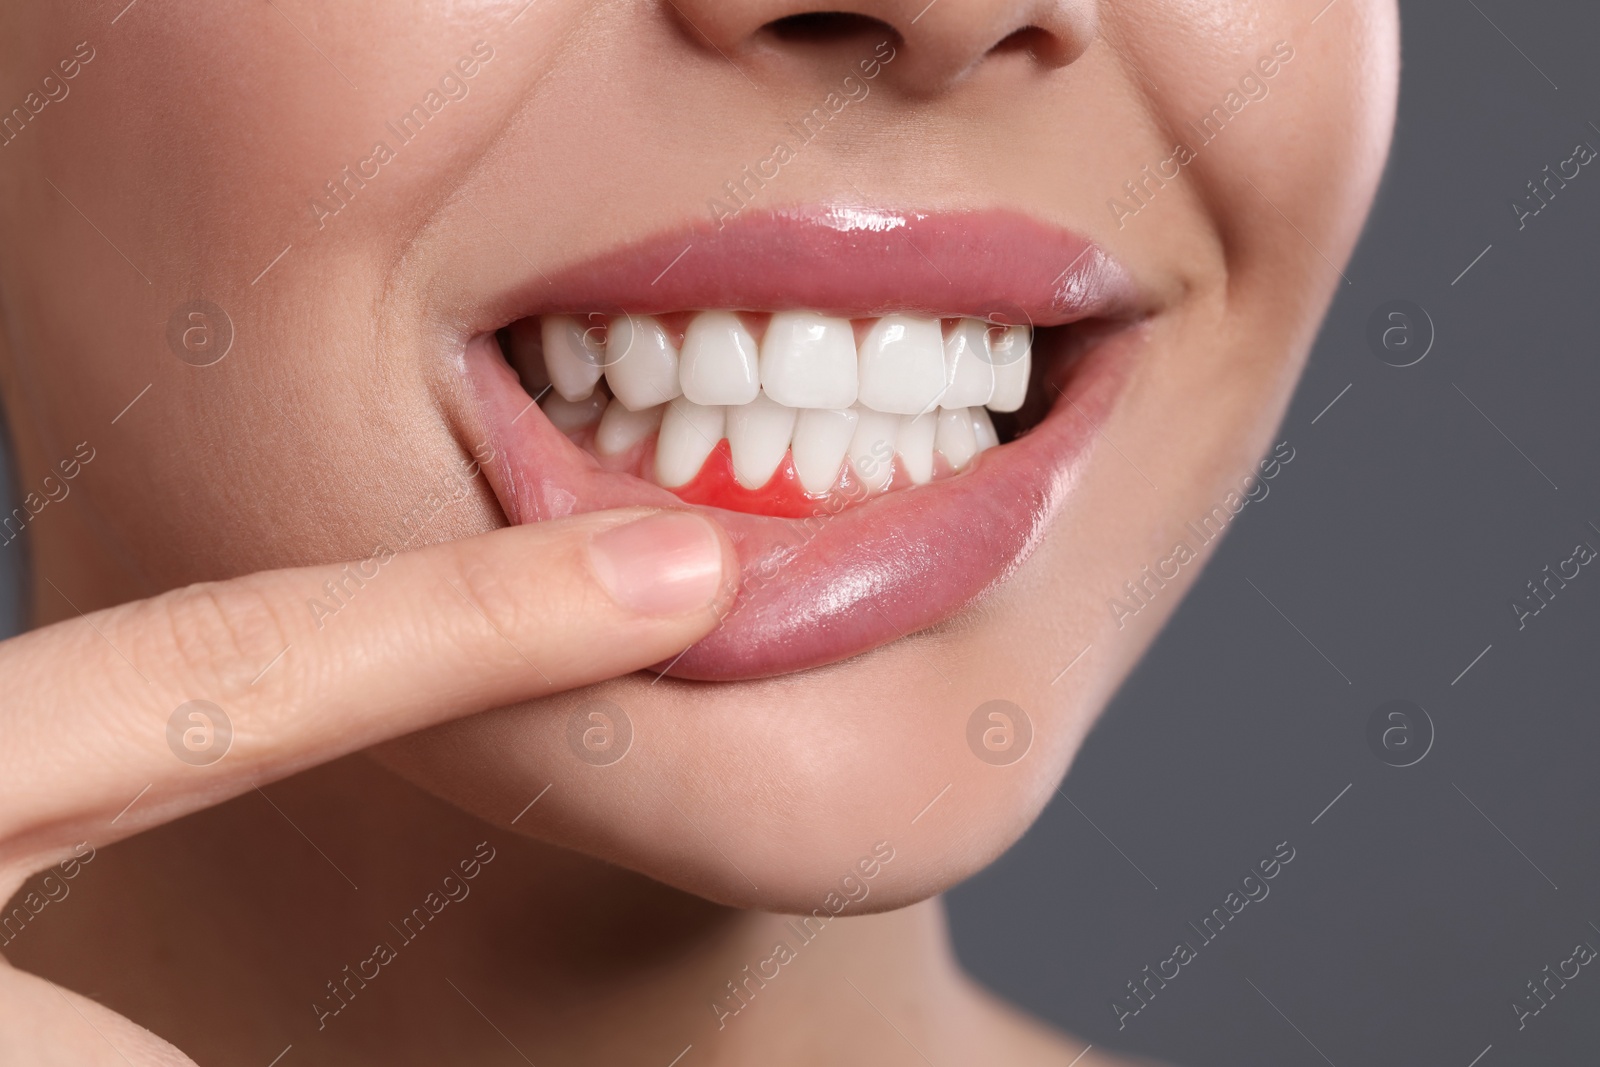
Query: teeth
{"points": [[809, 360], [571, 415], [642, 364], [822, 436], [1011, 351], [621, 429], [573, 355], [910, 393], [983, 429], [758, 434], [902, 365], [872, 447], [689, 432], [968, 366], [955, 438], [719, 360], [914, 445]]}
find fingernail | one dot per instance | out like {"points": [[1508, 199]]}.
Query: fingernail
{"points": [[665, 564]]}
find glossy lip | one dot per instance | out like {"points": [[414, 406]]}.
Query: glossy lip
{"points": [[814, 591], [852, 262]]}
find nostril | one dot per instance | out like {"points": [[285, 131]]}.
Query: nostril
{"points": [[826, 27], [1030, 40]]}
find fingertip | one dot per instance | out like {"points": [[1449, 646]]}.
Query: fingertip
{"points": [[665, 564]]}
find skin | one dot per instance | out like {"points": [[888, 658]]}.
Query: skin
{"points": [[184, 160]]}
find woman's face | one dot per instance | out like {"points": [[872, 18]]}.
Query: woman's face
{"points": [[351, 204]]}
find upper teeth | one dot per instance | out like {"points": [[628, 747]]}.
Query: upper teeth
{"points": [[908, 389], [809, 361], [902, 365], [719, 360], [642, 362]]}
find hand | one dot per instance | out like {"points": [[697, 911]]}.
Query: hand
{"points": [[421, 637]]}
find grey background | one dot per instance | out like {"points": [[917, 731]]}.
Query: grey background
{"points": [[1395, 541]]}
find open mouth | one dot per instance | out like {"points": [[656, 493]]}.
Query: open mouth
{"points": [[774, 414], [885, 410]]}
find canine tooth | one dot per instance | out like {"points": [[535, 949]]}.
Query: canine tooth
{"points": [[641, 362], [902, 365], [570, 415], [758, 435], [809, 360], [1012, 354], [914, 445], [968, 366], [955, 439], [574, 355], [821, 438], [720, 360], [689, 432], [620, 429], [983, 429], [872, 447]]}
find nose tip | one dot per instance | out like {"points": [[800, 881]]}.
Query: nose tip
{"points": [[936, 42], [946, 39]]}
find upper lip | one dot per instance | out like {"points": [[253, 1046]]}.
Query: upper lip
{"points": [[998, 265], [816, 592]]}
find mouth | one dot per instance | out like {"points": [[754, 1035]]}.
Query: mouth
{"points": [[885, 411]]}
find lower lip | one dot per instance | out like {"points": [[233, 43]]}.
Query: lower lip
{"points": [[816, 591]]}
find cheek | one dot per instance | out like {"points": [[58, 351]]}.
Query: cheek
{"points": [[196, 152]]}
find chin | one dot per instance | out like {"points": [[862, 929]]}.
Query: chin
{"points": [[765, 794]]}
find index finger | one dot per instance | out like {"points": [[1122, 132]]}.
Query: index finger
{"points": [[196, 695]]}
